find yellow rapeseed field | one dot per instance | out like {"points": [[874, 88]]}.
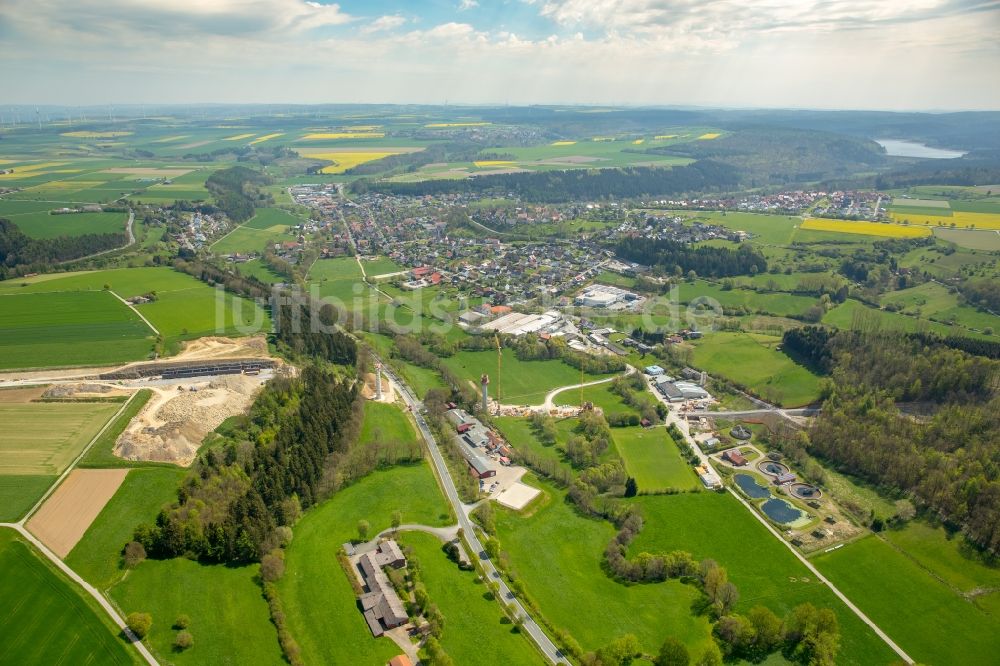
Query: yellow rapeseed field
{"points": [[638, 141], [343, 160], [494, 163], [345, 135], [865, 228], [360, 128], [960, 219], [239, 137], [478, 124], [29, 170], [266, 137], [710, 135], [95, 135], [563, 143], [660, 137], [603, 138]]}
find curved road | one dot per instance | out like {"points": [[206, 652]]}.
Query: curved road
{"points": [[544, 643], [551, 395]]}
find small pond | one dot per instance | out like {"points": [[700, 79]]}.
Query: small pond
{"points": [[750, 487], [780, 511]]}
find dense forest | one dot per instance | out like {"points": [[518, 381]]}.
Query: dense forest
{"points": [[778, 156], [230, 508], [21, 254], [235, 191], [679, 259], [947, 462], [561, 186]]}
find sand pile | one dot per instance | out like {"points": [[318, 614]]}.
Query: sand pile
{"points": [[172, 425]]}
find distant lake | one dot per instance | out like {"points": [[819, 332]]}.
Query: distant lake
{"points": [[913, 149]]}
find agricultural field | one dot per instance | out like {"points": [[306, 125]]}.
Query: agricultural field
{"points": [[344, 159], [471, 616], [865, 228], [520, 382], [935, 623], [779, 304], [66, 514], [45, 619], [716, 526], [36, 328], [185, 308], [336, 278], [97, 555], [753, 360], [957, 219], [651, 457], [268, 226], [317, 595], [42, 224], [971, 239], [41, 440]]}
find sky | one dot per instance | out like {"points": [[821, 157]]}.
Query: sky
{"points": [[824, 54]]}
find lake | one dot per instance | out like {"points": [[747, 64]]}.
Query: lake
{"points": [[897, 148]]}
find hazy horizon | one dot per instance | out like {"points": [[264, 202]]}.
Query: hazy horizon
{"points": [[930, 55]]}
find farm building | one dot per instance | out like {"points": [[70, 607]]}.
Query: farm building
{"points": [[400, 660], [654, 370], [381, 606]]}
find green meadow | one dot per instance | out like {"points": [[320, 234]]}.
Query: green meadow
{"points": [[97, 556], [185, 308], [45, 619], [754, 361], [717, 526], [318, 600], [651, 457], [68, 329], [520, 382], [47, 225], [930, 620], [471, 614]]}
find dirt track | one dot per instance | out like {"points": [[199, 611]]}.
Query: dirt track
{"points": [[64, 518]]}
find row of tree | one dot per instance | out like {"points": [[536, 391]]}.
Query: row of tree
{"points": [[580, 184], [20, 254], [674, 257]]}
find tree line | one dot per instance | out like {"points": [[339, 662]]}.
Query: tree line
{"points": [[20, 254], [675, 257], [579, 184]]}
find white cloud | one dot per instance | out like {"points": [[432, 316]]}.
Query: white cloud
{"points": [[717, 52], [464, 5], [384, 24]]}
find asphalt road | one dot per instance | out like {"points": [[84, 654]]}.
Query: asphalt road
{"points": [[544, 643]]}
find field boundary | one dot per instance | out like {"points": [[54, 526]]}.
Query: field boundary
{"points": [[132, 308], [76, 461], [823, 579]]}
